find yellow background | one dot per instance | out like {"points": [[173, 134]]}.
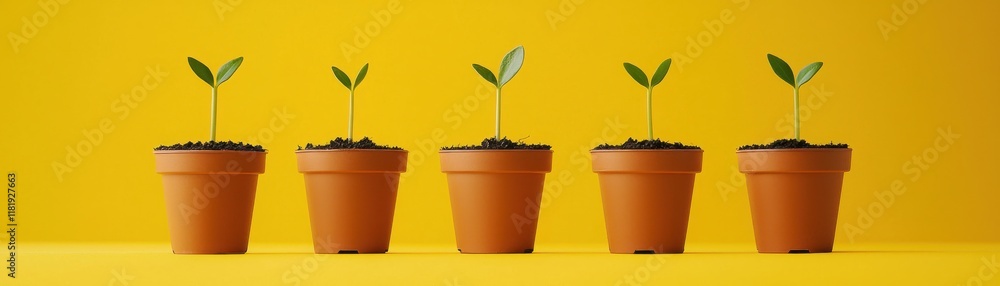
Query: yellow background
{"points": [[889, 95]]}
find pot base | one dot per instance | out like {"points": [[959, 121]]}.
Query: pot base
{"points": [[210, 253], [352, 252], [513, 252]]}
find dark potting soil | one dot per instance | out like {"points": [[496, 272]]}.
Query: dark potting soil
{"points": [[501, 144], [632, 144], [791, 144], [212, 145], [341, 143]]}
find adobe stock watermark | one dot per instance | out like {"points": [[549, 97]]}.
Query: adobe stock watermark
{"points": [[813, 102], [203, 196], [303, 270], [280, 119], [31, 25], [222, 7], [562, 12], [900, 15], [93, 137], [913, 169], [120, 277], [644, 272], [455, 116], [364, 34], [986, 272], [713, 30], [558, 182]]}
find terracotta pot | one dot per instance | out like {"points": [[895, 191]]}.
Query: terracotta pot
{"points": [[352, 197], [794, 196], [209, 198], [647, 197], [495, 197]]}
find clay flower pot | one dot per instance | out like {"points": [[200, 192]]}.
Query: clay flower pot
{"points": [[794, 196], [647, 197], [209, 198], [495, 197], [352, 197]]}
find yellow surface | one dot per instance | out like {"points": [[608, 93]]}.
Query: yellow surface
{"points": [[109, 81], [702, 265]]}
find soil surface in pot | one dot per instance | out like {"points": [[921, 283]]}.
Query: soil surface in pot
{"points": [[341, 143], [212, 145], [791, 144], [501, 144], [632, 144]]}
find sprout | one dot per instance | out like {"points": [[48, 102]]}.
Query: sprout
{"points": [[344, 79], [225, 72], [640, 77], [784, 72], [509, 66]]}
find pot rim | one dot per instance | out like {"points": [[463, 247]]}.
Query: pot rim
{"points": [[345, 150], [494, 150], [795, 150], [645, 150], [647, 161], [209, 161], [319, 161], [496, 161], [798, 160], [203, 151]]}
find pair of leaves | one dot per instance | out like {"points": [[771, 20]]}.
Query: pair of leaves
{"points": [[784, 71], [509, 66], [639, 76], [344, 79], [226, 71]]}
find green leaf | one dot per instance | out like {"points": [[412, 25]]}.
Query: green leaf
{"points": [[781, 69], [510, 65], [361, 75], [227, 70], [807, 73], [660, 73], [637, 74], [201, 71], [344, 79], [485, 73]]}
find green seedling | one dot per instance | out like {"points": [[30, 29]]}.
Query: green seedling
{"points": [[639, 76], [225, 72], [344, 79], [509, 65], [784, 72]]}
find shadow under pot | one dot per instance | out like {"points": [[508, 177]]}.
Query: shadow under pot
{"points": [[209, 196], [794, 196], [495, 197], [647, 197], [352, 197]]}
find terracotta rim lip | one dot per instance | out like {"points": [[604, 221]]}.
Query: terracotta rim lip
{"points": [[667, 171], [496, 150], [351, 150], [351, 172], [647, 150], [790, 150], [203, 151], [367, 154]]}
